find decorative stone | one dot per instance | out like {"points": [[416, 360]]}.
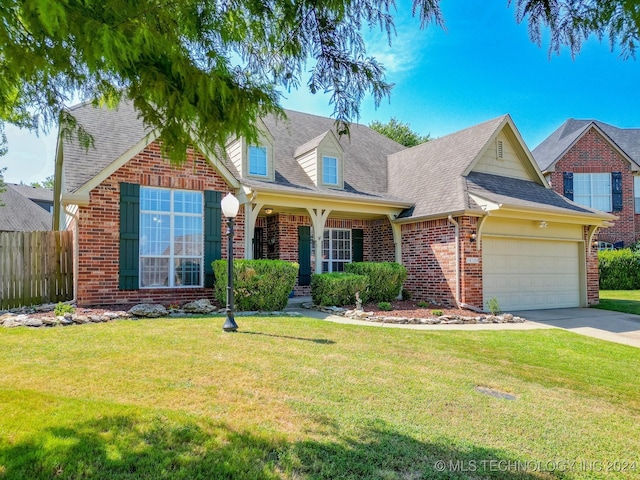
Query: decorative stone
{"points": [[148, 310], [80, 319], [5, 316], [11, 322], [32, 322], [199, 306], [50, 321], [64, 321]]}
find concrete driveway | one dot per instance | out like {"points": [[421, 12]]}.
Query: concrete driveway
{"points": [[604, 324]]}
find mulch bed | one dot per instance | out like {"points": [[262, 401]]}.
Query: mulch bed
{"points": [[410, 309]]}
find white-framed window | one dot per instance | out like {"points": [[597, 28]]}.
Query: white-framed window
{"points": [[329, 170], [171, 238], [258, 161], [636, 193], [336, 249], [593, 190], [605, 246]]}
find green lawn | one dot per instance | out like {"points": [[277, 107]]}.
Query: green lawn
{"points": [[299, 398], [627, 301]]}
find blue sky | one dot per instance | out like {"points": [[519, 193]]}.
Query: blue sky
{"points": [[482, 66]]}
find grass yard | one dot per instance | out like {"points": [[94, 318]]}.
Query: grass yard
{"points": [[298, 398], [627, 301]]}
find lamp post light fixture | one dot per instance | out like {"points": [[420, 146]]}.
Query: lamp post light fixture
{"points": [[230, 206]]}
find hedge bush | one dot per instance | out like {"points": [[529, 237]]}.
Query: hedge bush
{"points": [[337, 288], [262, 285], [619, 269], [385, 279]]}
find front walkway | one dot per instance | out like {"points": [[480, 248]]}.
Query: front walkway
{"points": [[603, 324]]}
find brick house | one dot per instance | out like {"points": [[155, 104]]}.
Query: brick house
{"points": [[597, 165], [470, 214]]}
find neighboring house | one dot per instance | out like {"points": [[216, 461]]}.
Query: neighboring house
{"points": [[24, 209], [43, 197], [597, 165], [470, 214]]}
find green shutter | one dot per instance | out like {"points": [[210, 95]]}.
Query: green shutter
{"points": [[616, 191], [129, 236], [212, 234], [357, 245], [304, 255]]}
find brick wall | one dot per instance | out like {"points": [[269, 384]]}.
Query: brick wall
{"points": [[470, 271], [99, 228], [428, 252], [592, 153], [593, 275]]}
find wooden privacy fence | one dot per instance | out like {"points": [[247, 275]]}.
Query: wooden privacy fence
{"points": [[35, 268]]}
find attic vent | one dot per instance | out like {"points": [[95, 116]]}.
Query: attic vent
{"points": [[499, 149]]}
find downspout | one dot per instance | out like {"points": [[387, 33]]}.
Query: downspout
{"points": [[457, 229], [76, 255]]}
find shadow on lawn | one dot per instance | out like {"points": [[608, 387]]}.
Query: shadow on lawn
{"points": [[130, 448], [323, 341]]}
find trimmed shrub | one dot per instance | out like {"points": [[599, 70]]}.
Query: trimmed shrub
{"points": [[385, 279], [619, 269], [385, 306], [337, 288], [262, 285]]}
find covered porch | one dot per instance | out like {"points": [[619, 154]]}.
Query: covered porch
{"points": [[320, 234]]}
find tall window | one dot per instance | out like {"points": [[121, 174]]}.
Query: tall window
{"points": [[171, 238], [330, 170], [257, 160], [593, 190], [336, 250], [636, 193]]}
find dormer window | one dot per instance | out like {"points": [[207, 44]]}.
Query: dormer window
{"points": [[329, 170], [258, 161]]}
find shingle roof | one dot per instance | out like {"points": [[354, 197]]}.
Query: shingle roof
{"points": [[116, 131], [34, 193], [520, 193], [19, 214], [430, 175], [552, 148]]}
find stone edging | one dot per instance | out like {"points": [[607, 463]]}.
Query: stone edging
{"points": [[442, 320]]}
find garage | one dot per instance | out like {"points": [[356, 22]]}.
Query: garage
{"points": [[531, 274]]}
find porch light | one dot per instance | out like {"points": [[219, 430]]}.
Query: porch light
{"points": [[543, 224], [230, 206], [472, 237], [268, 211]]}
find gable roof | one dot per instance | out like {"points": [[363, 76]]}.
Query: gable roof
{"points": [[19, 214], [627, 140], [117, 131], [431, 174]]}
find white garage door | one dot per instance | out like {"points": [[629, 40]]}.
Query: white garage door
{"points": [[531, 274]]}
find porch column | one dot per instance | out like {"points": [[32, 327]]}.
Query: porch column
{"points": [[251, 211], [318, 220], [396, 229]]}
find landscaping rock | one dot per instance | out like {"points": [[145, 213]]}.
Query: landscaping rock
{"points": [[80, 319], [32, 322], [148, 310], [201, 306], [50, 321]]}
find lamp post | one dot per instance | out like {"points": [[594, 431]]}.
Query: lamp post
{"points": [[230, 206]]}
